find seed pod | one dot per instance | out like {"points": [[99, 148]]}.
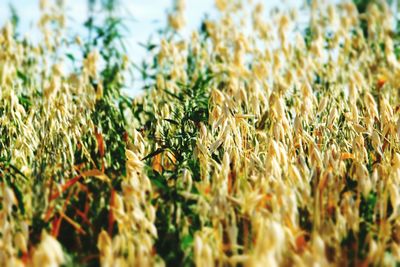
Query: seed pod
{"points": [[48, 253], [187, 179], [20, 242], [297, 124], [394, 197], [8, 199], [221, 5], [322, 105], [104, 244], [371, 105], [332, 117], [376, 142]]}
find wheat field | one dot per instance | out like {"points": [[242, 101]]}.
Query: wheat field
{"points": [[256, 141]]}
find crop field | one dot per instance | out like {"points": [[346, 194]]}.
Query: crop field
{"points": [[256, 139]]}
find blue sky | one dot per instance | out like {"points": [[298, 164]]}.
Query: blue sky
{"points": [[145, 16], [148, 15]]}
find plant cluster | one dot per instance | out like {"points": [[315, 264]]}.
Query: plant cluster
{"points": [[257, 141]]}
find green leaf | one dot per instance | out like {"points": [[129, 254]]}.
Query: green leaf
{"points": [[172, 121], [19, 196], [187, 242], [154, 153]]}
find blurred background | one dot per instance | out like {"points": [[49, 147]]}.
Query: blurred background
{"points": [[142, 18]]}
